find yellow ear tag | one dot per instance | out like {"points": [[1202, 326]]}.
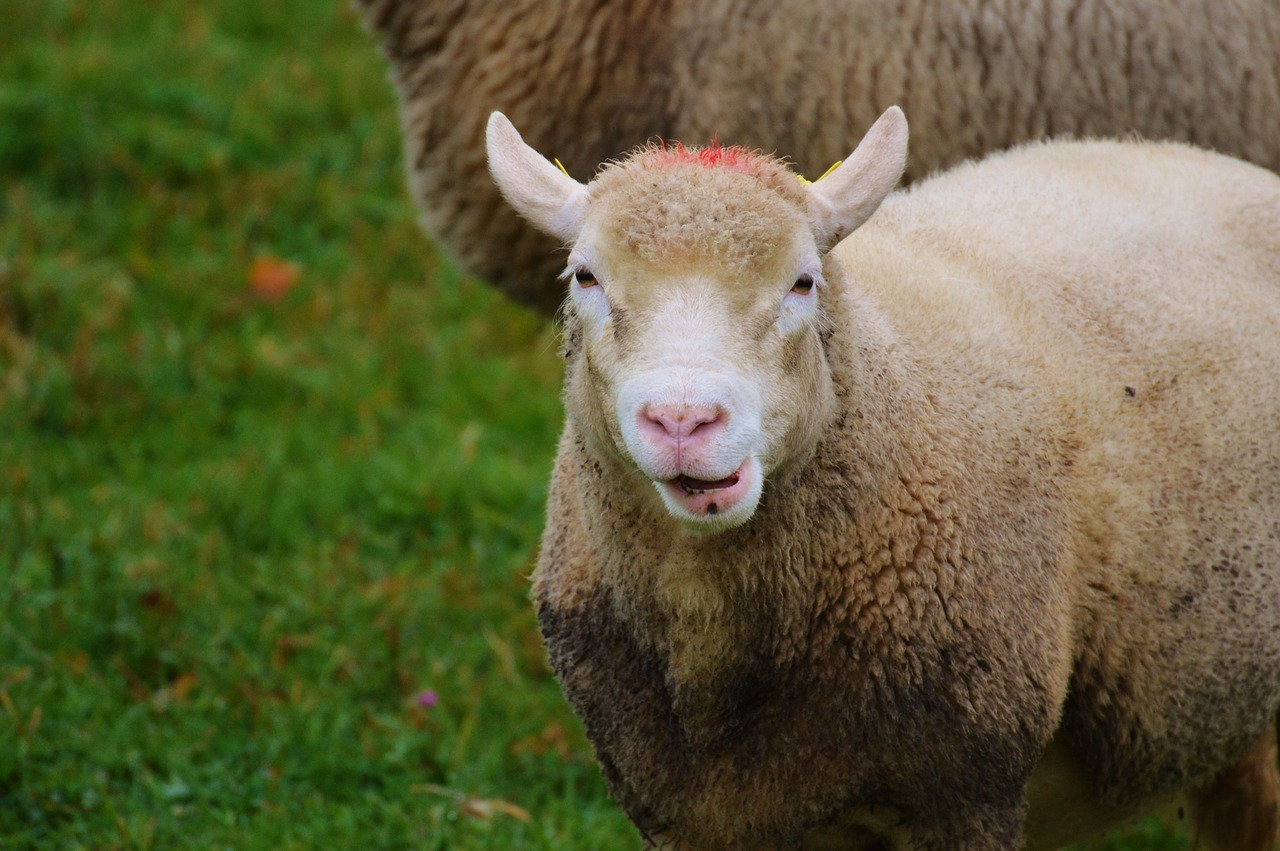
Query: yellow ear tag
{"points": [[560, 166], [806, 181]]}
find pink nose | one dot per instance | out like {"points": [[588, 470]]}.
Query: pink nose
{"points": [[681, 423]]}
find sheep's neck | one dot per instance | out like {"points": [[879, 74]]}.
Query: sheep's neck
{"points": [[701, 635], [725, 611], [688, 600]]}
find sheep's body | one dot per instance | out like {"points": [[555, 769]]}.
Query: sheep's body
{"points": [[1046, 507], [1125, 306], [587, 80]]}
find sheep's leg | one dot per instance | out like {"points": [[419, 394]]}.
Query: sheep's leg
{"points": [[1240, 809], [988, 828]]}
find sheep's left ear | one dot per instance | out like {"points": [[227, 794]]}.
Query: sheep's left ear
{"points": [[844, 199], [551, 200]]}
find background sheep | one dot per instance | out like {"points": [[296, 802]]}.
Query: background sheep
{"points": [[971, 522], [587, 80]]}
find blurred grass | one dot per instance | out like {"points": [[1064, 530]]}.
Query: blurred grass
{"points": [[242, 537], [238, 537]]}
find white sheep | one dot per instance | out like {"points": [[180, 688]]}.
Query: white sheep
{"points": [[588, 80], [960, 535]]}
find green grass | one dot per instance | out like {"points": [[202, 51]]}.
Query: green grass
{"points": [[240, 537]]}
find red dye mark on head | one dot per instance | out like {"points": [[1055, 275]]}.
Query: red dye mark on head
{"points": [[715, 155]]}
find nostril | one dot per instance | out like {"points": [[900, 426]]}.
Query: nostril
{"points": [[655, 426], [704, 422], [681, 421]]}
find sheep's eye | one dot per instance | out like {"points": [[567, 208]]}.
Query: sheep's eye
{"points": [[803, 285], [584, 278]]}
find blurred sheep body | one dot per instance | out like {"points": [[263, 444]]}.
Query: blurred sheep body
{"points": [[961, 534], [587, 80]]}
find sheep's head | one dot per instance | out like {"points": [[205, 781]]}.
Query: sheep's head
{"points": [[697, 307]]}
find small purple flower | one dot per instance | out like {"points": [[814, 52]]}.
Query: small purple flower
{"points": [[428, 699]]}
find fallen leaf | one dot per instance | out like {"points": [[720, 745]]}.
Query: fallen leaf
{"points": [[477, 808], [271, 278], [137, 687], [288, 645], [17, 677], [34, 724], [552, 739], [76, 661], [182, 686], [468, 440], [159, 602], [486, 809]]}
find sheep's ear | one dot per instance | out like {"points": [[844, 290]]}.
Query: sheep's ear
{"points": [[551, 200], [844, 199]]}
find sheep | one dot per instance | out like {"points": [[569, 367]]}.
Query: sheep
{"points": [[588, 80], [952, 528]]}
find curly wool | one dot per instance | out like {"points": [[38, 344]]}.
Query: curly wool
{"points": [[1044, 519], [587, 80]]}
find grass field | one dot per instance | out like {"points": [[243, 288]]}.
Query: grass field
{"points": [[271, 471]]}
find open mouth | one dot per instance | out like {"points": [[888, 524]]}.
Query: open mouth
{"points": [[690, 485], [707, 498]]}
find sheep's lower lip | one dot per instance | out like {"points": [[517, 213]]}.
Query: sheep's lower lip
{"points": [[692, 485], [707, 498]]}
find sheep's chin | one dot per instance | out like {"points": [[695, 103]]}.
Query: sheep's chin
{"points": [[717, 510]]}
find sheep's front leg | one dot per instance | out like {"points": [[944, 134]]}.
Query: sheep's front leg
{"points": [[973, 828], [664, 841], [671, 841], [1240, 809], [977, 828]]}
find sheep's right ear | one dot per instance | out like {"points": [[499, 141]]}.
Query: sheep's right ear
{"points": [[551, 200], [844, 199]]}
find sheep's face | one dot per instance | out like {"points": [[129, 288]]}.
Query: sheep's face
{"points": [[696, 295], [697, 308]]}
